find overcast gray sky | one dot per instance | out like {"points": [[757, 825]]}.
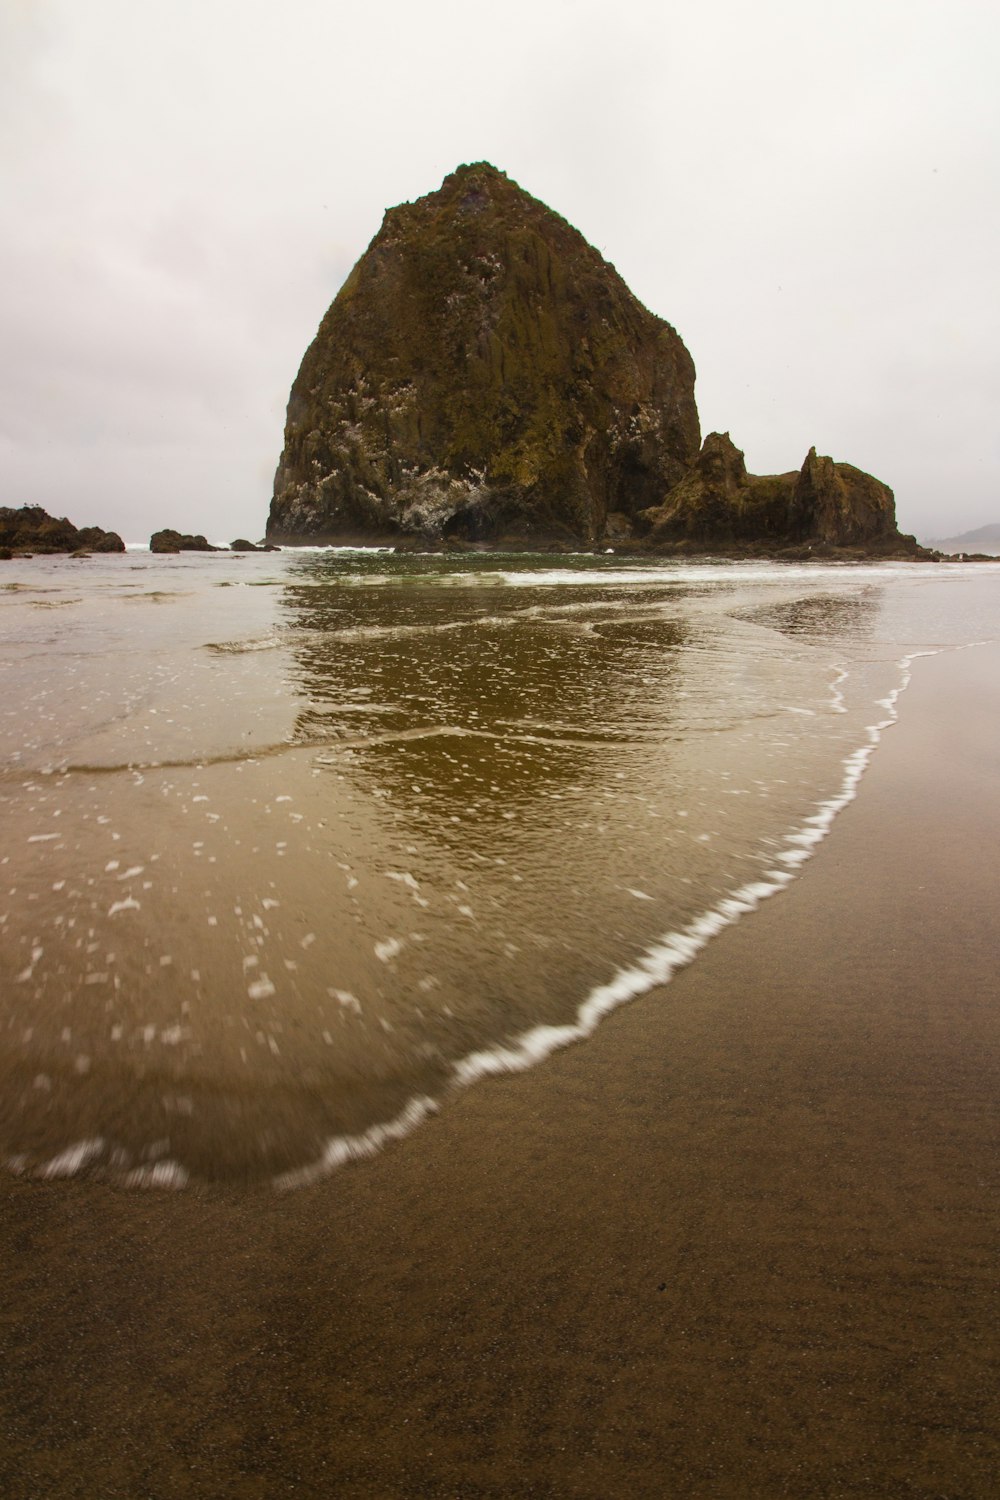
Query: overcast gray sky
{"points": [[809, 192]]}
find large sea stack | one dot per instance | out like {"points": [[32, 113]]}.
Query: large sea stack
{"points": [[484, 375]]}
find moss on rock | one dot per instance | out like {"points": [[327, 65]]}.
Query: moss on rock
{"points": [[32, 529], [483, 373], [824, 506]]}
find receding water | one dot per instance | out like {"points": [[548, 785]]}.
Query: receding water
{"points": [[296, 845]]}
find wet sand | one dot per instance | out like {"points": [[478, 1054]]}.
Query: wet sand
{"points": [[741, 1243]]}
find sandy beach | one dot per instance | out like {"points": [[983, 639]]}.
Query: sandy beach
{"points": [[741, 1243]]}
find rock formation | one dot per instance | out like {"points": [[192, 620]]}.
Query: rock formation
{"points": [[824, 507], [32, 529], [484, 375], [169, 540]]}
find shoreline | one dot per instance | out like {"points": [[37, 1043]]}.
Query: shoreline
{"points": [[735, 1244], [633, 550], [652, 969]]}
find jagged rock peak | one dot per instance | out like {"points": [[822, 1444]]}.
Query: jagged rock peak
{"points": [[823, 507], [483, 374]]}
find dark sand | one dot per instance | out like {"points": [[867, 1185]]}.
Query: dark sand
{"points": [[741, 1243]]}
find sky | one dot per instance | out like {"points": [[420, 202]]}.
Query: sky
{"points": [[809, 193]]}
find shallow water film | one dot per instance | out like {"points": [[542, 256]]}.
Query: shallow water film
{"points": [[294, 846]]}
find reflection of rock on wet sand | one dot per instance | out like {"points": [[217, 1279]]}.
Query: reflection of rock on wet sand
{"points": [[485, 717], [255, 956], [492, 800], [843, 616]]}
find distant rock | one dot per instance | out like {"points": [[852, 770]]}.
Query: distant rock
{"points": [[32, 529], [176, 541], [485, 376], [96, 540], [242, 545], [984, 541]]}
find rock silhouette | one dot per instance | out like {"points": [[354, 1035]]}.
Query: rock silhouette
{"points": [[485, 376], [32, 529]]}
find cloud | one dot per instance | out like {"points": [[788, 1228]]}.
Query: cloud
{"points": [[803, 192]]}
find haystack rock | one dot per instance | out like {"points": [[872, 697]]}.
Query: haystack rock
{"points": [[484, 375]]}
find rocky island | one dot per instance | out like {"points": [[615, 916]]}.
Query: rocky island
{"points": [[168, 540], [484, 376], [30, 529]]}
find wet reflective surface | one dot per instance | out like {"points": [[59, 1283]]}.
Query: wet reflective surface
{"points": [[295, 845]]}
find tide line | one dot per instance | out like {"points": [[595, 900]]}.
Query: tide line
{"points": [[656, 966]]}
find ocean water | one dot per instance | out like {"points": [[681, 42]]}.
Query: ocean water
{"points": [[296, 846]]}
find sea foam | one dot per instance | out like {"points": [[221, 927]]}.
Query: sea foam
{"points": [[656, 966]]}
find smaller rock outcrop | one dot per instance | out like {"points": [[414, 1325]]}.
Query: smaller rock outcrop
{"points": [[823, 509], [32, 529], [95, 539], [169, 540], [842, 506]]}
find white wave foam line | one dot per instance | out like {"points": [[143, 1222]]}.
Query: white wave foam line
{"points": [[73, 1160], [657, 966], [661, 960], [697, 573], [837, 704], [344, 1148], [162, 1175], [652, 573]]}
